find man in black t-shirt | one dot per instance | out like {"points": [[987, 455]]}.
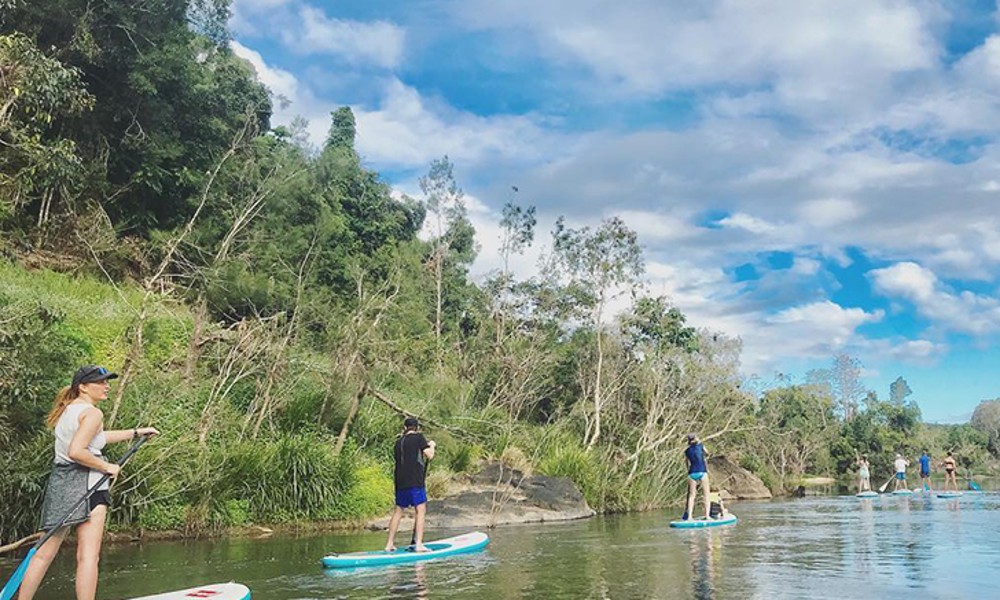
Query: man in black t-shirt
{"points": [[412, 453]]}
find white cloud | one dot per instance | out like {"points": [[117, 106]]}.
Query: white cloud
{"points": [[656, 226], [378, 43], [963, 311], [806, 266], [749, 223], [917, 350], [407, 130], [828, 211], [816, 51]]}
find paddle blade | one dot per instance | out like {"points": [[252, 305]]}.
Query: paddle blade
{"points": [[973, 486], [10, 588]]}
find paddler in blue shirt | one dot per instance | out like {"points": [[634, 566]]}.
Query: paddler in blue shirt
{"points": [[697, 471], [925, 470]]}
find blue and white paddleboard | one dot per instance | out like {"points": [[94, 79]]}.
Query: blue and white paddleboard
{"points": [[902, 493], [949, 494], [868, 494], [729, 519], [217, 591], [468, 542]]}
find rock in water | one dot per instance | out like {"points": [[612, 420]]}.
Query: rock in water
{"points": [[740, 483]]}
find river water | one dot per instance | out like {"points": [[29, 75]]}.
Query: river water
{"points": [[821, 547]]}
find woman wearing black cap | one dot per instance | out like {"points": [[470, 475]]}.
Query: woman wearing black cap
{"points": [[78, 426]]}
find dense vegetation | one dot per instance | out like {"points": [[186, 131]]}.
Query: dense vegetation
{"points": [[272, 308]]}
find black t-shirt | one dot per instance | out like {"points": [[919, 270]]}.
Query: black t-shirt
{"points": [[410, 467]]}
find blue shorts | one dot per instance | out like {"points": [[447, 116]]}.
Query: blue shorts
{"points": [[408, 497], [901, 476], [925, 474], [696, 476]]}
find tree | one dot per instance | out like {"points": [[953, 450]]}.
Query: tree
{"points": [[986, 418], [343, 129], [843, 380], [899, 390], [38, 166], [453, 242], [799, 423], [168, 100], [600, 265], [652, 326], [517, 231]]}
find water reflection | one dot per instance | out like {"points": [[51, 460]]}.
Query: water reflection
{"points": [[409, 583], [704, 547]]}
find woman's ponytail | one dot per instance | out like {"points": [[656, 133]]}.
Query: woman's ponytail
{"points": [[63, 398]]}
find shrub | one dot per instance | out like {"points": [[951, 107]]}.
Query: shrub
{"points": [[161, 517]]}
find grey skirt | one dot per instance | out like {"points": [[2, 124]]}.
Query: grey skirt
{"points": [[67, 484]]}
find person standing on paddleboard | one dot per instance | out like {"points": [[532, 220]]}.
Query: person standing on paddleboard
{"points": [[697, 471], [412, 453], [949, 472], [900, 465], [864, 474], [925, 470], [78, 426]]}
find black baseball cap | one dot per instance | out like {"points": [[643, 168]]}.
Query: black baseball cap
{"points": [[411, 423], [91, 374]]}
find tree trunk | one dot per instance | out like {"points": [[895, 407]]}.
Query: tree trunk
{"points": [[351, 413]]}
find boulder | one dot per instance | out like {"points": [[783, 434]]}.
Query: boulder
{"points": [[740, 484], [498, 495]]}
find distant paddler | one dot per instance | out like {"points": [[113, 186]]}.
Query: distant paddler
{"points": [[900, 465], [864, 474], [950, 467], [925, 470]]}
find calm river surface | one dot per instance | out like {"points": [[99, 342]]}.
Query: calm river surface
{"points": [[823, 547]]}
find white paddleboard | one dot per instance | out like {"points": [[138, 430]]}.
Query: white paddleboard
{"points": [[217, 591], [868, 494], [949, 494], [902, 493]]}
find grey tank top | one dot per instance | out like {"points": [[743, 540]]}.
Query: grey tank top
{"points": [[66, 428]]}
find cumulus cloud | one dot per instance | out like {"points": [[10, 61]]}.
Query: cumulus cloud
{"points": [[409, 130], [308, 30], [963, 311], [379, 43], [828, 211], [812, 52]]}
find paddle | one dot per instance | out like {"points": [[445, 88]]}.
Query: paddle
{"points": [[886, 484], [10, 588]]}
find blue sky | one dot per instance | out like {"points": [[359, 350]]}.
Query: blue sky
{"points": [[812, 177]]}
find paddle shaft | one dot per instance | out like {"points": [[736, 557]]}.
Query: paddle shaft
{"points": [[886, 484], [10, 588]]}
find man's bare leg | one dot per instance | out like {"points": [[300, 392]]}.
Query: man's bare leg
{"points": [[397, 514]]}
